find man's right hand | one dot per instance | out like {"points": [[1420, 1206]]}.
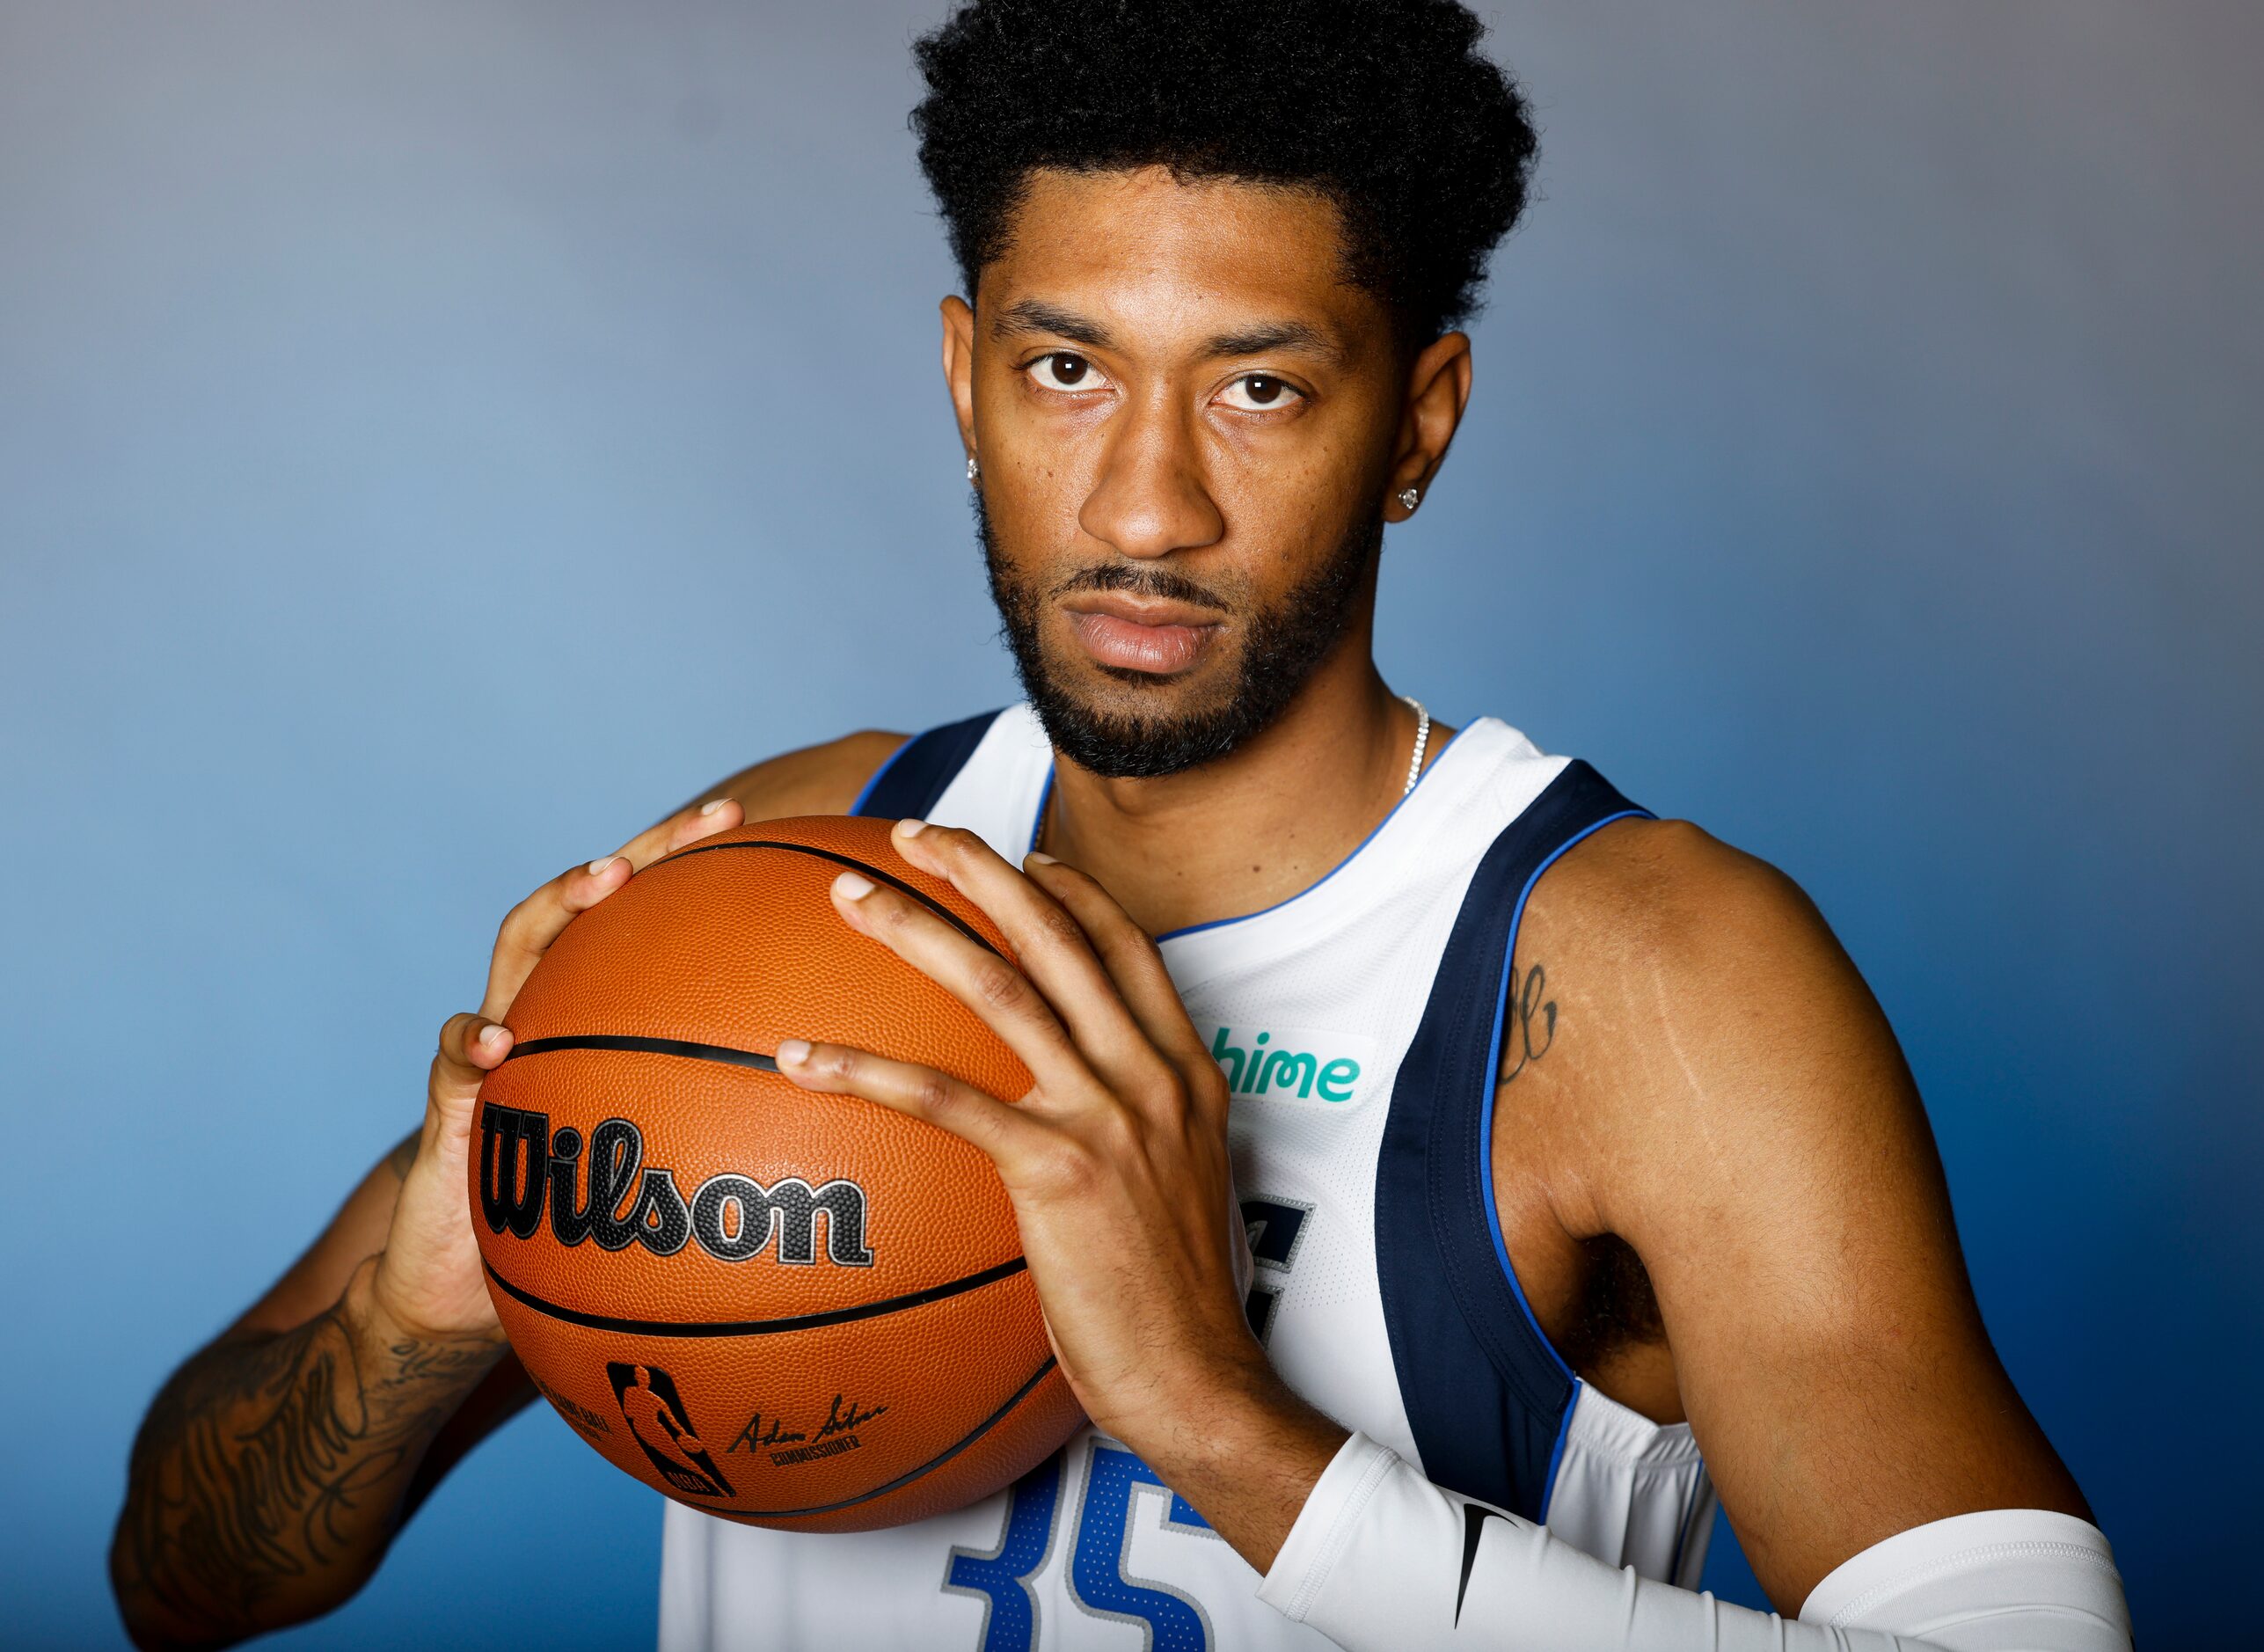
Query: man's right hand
{"points": [[428, 1282], [275, 1466], [277, 1462]]}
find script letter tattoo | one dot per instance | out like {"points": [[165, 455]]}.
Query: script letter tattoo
{"points": [[1532, 1023], [271, 1461]]}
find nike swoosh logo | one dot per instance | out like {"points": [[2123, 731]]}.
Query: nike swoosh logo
{"points": [[1474, 1516]]}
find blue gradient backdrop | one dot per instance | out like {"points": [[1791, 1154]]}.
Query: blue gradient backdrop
{"points": [[435, 438]]}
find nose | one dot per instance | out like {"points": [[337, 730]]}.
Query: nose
{"points": [[1150, 499]]}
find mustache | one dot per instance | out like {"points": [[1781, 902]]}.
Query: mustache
{"points": [[1137, 581]]}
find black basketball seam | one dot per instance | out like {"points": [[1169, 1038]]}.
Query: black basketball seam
{"points": [[634, 1044], [855, 865], [908, 1476], [758, 1328]]}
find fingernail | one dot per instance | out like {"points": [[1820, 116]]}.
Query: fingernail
{"points": [[492, 1037], [851, 887], [910, 828], [597, 866], [713, 804], [1042, 859], [793, 1052]]}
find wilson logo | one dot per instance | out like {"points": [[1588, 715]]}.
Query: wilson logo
{"points": [[1293, 1064], [528, 1174]]}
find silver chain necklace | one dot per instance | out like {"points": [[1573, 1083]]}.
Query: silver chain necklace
{"points": [[1422, 739]]}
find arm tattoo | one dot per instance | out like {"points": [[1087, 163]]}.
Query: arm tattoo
{"points": [[1531, 1024], [265, 1482]]}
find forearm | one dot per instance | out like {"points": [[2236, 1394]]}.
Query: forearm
{"points": [[269, 1475], [1246, 1454], [1380, 1558]]}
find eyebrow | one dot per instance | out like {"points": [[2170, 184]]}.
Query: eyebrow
{"points": [[1279, 335], [1036, 316]]}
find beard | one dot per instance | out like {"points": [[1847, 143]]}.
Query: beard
{"points": [[1283, 644]]}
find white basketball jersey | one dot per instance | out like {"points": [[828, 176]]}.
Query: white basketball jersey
{"points": [[1358, 1025]]}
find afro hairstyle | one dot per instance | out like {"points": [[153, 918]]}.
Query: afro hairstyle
{"points": [[1385, 107]]}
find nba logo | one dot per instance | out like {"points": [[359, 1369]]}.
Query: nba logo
{"points": [[657, 1418]]}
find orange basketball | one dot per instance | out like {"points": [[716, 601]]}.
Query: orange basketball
{"points": [[783, 1308]]}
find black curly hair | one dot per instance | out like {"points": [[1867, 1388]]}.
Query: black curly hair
{"points": [[1385, 106]]}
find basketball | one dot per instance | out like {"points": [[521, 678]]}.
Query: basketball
{"points": [[785, 1308]]}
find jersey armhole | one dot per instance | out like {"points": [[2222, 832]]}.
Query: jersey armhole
{"points": [[906, 785], [1488, 1398]]}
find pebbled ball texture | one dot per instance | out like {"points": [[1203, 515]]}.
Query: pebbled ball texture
{"points": [[787, 1309]]}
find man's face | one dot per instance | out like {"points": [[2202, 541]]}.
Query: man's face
{"points": [[1186, 420]]}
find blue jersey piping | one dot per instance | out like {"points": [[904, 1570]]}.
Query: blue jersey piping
{"points": [[1244, 918], [865, 791], [1486, 1107], [1557, 1452]]}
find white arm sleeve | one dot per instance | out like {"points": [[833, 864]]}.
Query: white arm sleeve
{"points": [[1382, 1561]]}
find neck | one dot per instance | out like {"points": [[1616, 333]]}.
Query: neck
{"points": [[1272, 818]]}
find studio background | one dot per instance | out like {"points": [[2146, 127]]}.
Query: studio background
{"points": [[435, 439]]}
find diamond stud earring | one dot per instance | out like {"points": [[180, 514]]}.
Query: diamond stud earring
{"points": [[972, 469], [1408, 497]]}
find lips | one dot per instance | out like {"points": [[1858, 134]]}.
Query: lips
{"points": [[1133, 645]]}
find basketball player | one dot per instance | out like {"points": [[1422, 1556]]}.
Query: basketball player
{"points": [[1568, 1142]]}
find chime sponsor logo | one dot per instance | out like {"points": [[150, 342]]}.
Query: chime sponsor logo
{"points": [[1292, 1063]]}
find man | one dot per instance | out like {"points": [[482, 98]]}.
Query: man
{"points": [[1567, 1139]]}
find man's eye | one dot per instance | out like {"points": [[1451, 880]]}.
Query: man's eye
{"points": [[1063, 369], [1256, 392]]}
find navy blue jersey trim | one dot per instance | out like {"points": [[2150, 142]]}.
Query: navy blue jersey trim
{"points": [[1492, 1075], [906, 787], [872, 780], [1487, 1397]]}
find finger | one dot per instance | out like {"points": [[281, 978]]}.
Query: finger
{"points": [[922, 1092], [470, 1047], [1049, 944], [535, 922], [530, 927], [978, 977], [686, 825], [473, 1046], [1127, 952]]}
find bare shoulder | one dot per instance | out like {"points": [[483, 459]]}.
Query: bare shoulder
{"points": [[1705, 1002], [1691, 925], [1672, 884], [821, 780]]}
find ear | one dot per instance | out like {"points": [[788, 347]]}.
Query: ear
{"points": [[1438, 389], [958, 365]]}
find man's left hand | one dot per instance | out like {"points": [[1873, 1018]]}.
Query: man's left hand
{"points": [[1116, 1162]]}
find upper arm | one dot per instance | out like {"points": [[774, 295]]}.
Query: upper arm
{"points": [[357, 1232], [823, 779], [1748, 1124]]}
